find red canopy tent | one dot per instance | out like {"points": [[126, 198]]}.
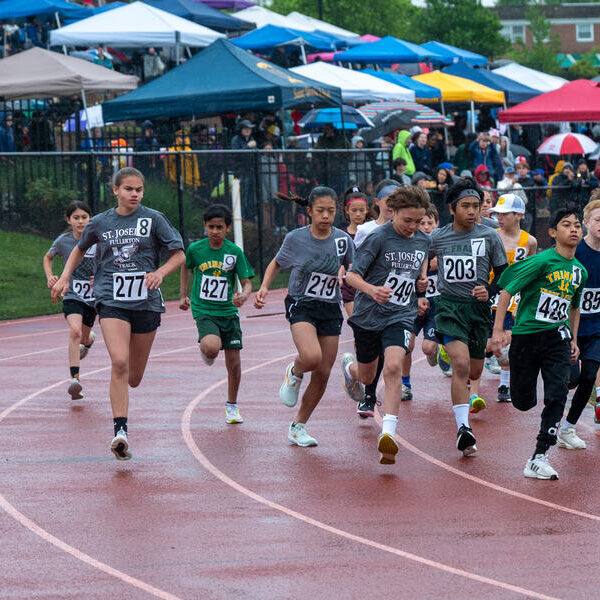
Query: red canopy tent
{"points": [[575, 101]]}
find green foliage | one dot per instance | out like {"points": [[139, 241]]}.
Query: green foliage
{"points": [[540, 55], [463, 23], [42, 198], [584, 68], [378, 17]]}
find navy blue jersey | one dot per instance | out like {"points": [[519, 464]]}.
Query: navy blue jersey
{"points": [[589, 323]]}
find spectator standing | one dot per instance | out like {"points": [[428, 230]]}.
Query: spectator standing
{"points": [[244, 140], [585, 184], [152, 65], [484, 152], [510, 184], [332, 169], [506, 155], [7, 134], [359, 167], [147, 143], [41, 136], [420, 153], [565, 180], [401, 151], [399, 172], [443, 179]]}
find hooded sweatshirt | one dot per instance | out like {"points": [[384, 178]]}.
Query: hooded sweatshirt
{"points": [[401, 151], [480, 180], [359, 165], [508, 158]]}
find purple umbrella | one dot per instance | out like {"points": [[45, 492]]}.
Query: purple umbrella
{"points": [[227, 4]]}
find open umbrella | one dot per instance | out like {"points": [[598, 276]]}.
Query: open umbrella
{"points": [[388, 121], [567, 143], [353, 118]]}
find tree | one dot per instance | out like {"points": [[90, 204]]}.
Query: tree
{"points": [[463, 23], [378, 17], [541, 55], [584, 68]]}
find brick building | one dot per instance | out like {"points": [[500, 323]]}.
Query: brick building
{"points": [[577, 25]]}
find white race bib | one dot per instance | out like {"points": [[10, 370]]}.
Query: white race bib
{"points": [[590, 301], [460, 268], [478, 247], [432, 286], [402, 288], [321, 286], [520, 253], [144, 225], [130, 287], [214, 288], [552, 308], [83, 289]]}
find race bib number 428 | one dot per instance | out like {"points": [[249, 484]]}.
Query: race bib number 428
{"points": [[460, 268], [130, 287], [552, 308]]}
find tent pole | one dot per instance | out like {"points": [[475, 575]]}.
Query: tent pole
{"points": [[87, 118], [472, 117], [177, 47], [343, 128], [283, 137], [59, 26], [303, 53], [4, 35], [445, 130], [507, 125]]}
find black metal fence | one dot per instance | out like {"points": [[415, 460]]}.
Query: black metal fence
{"points": [[36, 187]]}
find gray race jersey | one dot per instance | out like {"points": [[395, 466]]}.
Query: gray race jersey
{"points": [[465, 259], [80, 287], [315, 263], [128, 248], [388, 259]]}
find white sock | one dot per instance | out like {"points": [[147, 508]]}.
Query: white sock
{"points": [[389, 424], [232, 404], [461, 414], [567, 424], [505, 378]]}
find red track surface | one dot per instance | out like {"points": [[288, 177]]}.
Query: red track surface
{"points": [[206, 510]]}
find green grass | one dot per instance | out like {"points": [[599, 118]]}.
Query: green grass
{"points": [[23, 290]]}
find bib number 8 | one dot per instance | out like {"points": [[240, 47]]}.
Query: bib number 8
{"points": [[460, 268], [590, 301], [214, 288], [552, 309], [321, 286], [402, 289], [129, 287]]}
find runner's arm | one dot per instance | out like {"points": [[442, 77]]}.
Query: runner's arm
{"points": [[381, 295], [260, 298], [498, 331], [62, 285], [184, 281], [50, 277], [240, 297], [574, 325], [492, 288]]}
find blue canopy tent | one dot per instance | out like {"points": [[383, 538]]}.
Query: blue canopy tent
{"points": [[201, 13], [21, 9], [422, 90], [387, 51], [220, 79], [452, 54], [270, 36], [514, 92]]}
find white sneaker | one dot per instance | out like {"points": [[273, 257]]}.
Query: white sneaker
{"points": [[538, 467], [290, 388], [567, 438], [232, 414], [406, 393], [207, 361], [120, 446], [74, 389], [388, 448], [491, 364], [354, 388], [297, 435], [83, 350]]}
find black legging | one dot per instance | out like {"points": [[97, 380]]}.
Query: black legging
{"points": [[371, 388], [586, 383]]}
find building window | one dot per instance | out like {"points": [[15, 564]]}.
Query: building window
{"points": [[585, 32], [514, 33]]}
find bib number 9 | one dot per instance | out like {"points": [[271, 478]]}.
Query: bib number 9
{"points": [[402, 289], [83, 289], [590, 301], [321, 286], [130, 287], [552, 309], [460, 268], [214, 288]]}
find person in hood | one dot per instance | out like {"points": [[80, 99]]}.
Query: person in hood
{"points": [[421, 153], [359, 166], [507, 157], [482, 176], [7, 134], [401, 151], [484, 152]]}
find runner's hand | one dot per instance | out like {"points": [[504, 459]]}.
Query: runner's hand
{"points": [[422, 283], [497, 342], [184, 303], [52, 280], [574, 351], [153, 280], [480, 293], [423, 305], [59, 289], [239, 299], [381, 295], [260, 298]]}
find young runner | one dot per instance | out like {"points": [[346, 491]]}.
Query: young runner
{"points": [[126, 287], [425, 322], [467, 252], [314, 254], [550, 284], [217, 263], [588, 337], [385, 273], [78, 302], [356, 209]]}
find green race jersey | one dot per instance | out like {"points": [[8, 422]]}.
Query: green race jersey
{"points": [[215, 273], [549, 285]]}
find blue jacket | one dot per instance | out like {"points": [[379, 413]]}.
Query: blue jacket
{"points": [[422, 158], [7, 138], [491, 159]]}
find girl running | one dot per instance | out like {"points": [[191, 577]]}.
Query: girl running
{"points": [[126, 286], [78, 302], [314, 254]]}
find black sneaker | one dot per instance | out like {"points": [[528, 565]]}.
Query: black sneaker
{"points": [[366, 407], [504, 394], [465, 441]]}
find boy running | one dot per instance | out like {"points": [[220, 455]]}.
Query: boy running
{"points": [[467, 252], [385, 273], [550, 284], [217, 263]]}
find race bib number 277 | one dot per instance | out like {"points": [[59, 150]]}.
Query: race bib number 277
{"points": [[130, 287]]}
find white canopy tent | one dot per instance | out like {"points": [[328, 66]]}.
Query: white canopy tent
{"points": [[261, 16], [304, 22], [355, 86], [134, 25], [530, 77]]}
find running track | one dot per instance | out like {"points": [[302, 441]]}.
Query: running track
{"points": [[206, 510]]}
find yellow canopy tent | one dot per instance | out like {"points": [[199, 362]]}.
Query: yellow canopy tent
{"points": [[459, 89]]}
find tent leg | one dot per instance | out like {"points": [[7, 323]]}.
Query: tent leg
{"points": [[58, 25], [303, 54], [87, 118], [472, 117], [177, 47], [445, 130], [343, 128]]}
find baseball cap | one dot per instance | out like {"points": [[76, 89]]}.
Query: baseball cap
{"points": [[445, 165], [509, 203], [415, 129], [147, 124], [418, 176], [539, 171], [509, 170], [568, 165], [386, 191], [246, 123]]}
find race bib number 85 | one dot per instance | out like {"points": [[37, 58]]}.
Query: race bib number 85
{"points": [[460, 268], [552, 308], [321, 286], [130, 287], [214, 288], [402, 289], [590, 301]]}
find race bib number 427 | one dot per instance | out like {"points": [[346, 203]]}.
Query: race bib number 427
{"points": [[130, 287], [214, 288]]}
